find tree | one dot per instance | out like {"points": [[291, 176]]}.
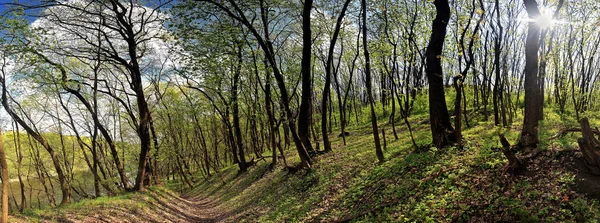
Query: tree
{"points": [[369, 83], [236, 111], [328, 71], [441, 129], [5, 180], [305, 113], [529, 133], [7, 49], [237, 13]]}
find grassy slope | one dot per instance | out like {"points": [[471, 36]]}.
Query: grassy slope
{"points": [[466, 185], [432, 185], [157, 204]]}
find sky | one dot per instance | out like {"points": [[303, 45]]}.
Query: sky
{"points": [[2, 4], [31, 17], [5, 5], [158, 57]]}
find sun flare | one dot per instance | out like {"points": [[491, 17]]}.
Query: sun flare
{"points": [[545, 20]]}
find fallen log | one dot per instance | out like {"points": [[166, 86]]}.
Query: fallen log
{"points": [[564, 132]]}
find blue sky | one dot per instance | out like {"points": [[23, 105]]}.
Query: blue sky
{"points": [[3, 6]]}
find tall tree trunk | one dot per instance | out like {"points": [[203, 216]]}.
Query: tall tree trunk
{"points": [[131, 39], [19, 163], [267, 47], [328, 71], [441, 129], [236, 114], [369, 83], [39, 138], [498, 84], [5, 181], [154, 163], [305, 114], [529, 134], [543, 61]]}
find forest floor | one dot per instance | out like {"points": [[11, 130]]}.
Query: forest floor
{"points": [[420, 185], [468, 184], [157, 204]]}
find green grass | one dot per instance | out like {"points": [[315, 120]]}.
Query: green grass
{"points": [[431, 185], [434, 185], [126, 204]]}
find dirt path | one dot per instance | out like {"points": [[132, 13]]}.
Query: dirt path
{"points": [[205, 209], [153, 206], [162, 207]]}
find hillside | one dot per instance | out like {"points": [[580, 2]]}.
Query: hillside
{"points": [[423, 185], [299, 111]]}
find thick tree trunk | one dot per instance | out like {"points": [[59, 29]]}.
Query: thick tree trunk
{"points": [[267, 47], [143, 130], [305, 113], [590, 147], [133, 66], [529, 134], [441, 129]]}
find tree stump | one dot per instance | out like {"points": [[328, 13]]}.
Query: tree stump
{"points": [[514, 163], [589, 147]]}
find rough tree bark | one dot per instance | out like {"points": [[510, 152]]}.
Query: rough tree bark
{"points": [[590, 147], [441, 129], [305, 113], [529, 133]]}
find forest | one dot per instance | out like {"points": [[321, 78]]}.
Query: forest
{"points": [[300, 110]]}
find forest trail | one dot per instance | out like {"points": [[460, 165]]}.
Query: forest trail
{"points": [[159, 206], [202, 209], [154, 205]]}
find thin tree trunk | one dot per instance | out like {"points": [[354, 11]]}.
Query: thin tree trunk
{"points": [[5, 180], [243, 165], [19, 164], [378, 150], [328, 71]]}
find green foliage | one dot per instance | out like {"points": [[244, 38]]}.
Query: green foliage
{"points": [[430, 186]]}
